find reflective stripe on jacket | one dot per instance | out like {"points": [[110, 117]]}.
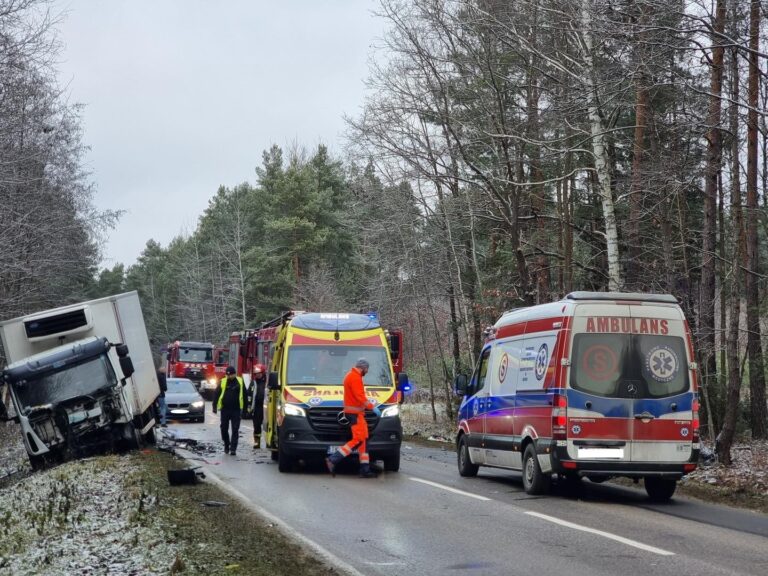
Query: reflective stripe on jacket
{"points": [[223, 386]]}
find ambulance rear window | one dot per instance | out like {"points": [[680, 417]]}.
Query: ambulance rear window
{"points": [[629, 365]]}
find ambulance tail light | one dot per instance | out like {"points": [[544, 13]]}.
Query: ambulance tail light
{"points": [[695, 425], [559, 417]]}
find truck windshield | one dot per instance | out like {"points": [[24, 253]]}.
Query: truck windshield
{"points": [[195, 355], [327, 365], [78, 380], [629, 365]]}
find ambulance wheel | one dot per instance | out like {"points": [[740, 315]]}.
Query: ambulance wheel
{"points": [[284, 461], [392, 462], [534, 480], [466, 468], [660, 489]]}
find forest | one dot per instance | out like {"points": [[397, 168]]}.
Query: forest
{"points": [[507, 153]]}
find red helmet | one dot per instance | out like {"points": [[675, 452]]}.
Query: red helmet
{"points": [[259, 370]]}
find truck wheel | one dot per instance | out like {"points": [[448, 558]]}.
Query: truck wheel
{"points": [[534, 480], [466, 468], [149, 437], [392, 463], [284, 461], [37, 462], [660, 489]]}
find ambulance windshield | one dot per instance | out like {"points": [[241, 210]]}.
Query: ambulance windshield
{"points": [[327, 365], [629, 365]]}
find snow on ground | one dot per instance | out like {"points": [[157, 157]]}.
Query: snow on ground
{"points": [[417, 419], [87, 517]]}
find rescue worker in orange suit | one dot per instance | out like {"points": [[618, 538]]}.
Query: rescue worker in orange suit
{"points": [[229, 400], [258, 384], [355, 405]]}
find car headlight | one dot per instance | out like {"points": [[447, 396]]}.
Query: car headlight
{"points": [[390, 411], [198, 404], [293, 410]]}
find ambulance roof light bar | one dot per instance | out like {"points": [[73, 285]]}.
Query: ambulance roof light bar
{"points": [[629, 296]]}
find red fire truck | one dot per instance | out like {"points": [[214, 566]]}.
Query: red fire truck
{"points": [[220, 360], [193, 360]]}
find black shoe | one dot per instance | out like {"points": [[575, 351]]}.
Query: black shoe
{"points": [[331, 467], [232, 453], [368, 474], [226, 449]]}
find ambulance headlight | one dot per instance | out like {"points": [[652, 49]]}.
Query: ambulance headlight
{"points": [[211, 382], [390, 411], [293, 410]]}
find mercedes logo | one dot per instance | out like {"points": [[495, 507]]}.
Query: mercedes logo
{"points": [[342, 419], [631, 389]]}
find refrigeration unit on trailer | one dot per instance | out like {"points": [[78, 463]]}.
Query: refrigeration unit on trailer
{"points": [[596, 385]]}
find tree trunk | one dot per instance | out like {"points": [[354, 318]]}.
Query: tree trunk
{"points": [[758, 411], [733, 393], [600, 152], [706, 324], [636, 183]]}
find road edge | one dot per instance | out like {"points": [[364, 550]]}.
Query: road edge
{"points": [[286, 529]]}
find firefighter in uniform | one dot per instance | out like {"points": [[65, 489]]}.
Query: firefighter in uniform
{"points": [[355, 405], [258, 384], [230, 400]]}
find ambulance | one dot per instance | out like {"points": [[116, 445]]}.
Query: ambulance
{"points": [[309, 355], [598, 385]]}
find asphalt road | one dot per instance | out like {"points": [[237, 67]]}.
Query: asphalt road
{"points": [[427, 520]]}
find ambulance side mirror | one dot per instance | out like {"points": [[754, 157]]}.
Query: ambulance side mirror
{"points": [[460, 384], [273, 383]]}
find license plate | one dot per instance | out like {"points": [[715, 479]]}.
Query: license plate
{"points": [[332, 449], [179, 411], [601, 453]]}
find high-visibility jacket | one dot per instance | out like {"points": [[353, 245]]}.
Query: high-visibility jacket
{"points": [[223, 387], [355, 400]]}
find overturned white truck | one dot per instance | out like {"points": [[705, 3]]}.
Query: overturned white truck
{"points": [[80, 379]]}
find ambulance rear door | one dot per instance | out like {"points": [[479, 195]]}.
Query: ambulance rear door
{"points": [[663, 405], [600, 392]]}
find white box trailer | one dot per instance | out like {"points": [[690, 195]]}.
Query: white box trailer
{"points": [[80, 376]]}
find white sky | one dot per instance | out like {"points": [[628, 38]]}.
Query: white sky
{"points": [[184, 95]]}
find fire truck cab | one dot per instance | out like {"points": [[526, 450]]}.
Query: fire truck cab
{"points": [[192, 360], [596, 385]]}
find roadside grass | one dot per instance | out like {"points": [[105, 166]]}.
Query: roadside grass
{"points": [[737, 497], [228, 539]]}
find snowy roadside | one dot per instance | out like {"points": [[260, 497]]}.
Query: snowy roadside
{"points": [[117, 515]]}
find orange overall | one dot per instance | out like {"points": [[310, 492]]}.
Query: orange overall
{"points": [[355, 405]]}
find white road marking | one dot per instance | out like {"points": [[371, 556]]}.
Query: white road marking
{"points": [[286, 528], [449, 489], [608, 535]]}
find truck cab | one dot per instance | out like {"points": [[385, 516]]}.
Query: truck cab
{"points": [[67, 400]]}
